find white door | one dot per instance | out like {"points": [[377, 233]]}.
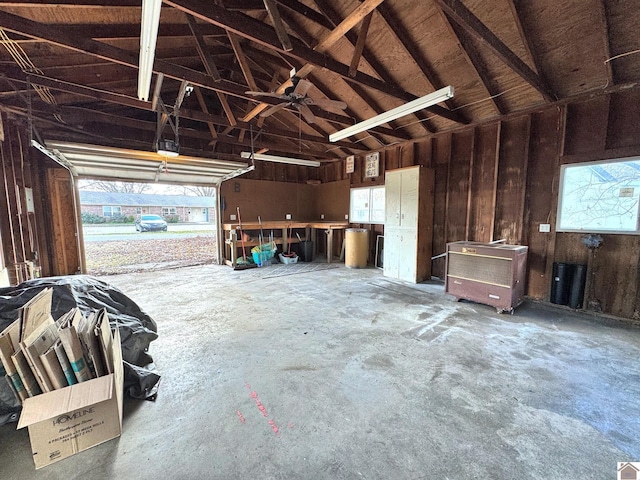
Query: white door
{"points": [[408, 249], [409, 198], [197, 215], [392, 247], [393, 186]]}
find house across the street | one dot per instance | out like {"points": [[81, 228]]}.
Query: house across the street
{"points": [[187, 208]]}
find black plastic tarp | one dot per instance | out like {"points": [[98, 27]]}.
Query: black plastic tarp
{"points": [[137, 329]]}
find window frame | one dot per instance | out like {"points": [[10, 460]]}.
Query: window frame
{"points": [[562, 186], [111, 211], [371, 206], [169, 211]]}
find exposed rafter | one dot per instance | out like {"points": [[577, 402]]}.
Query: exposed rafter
{"points": [[501, 58], [415, 51], [467, 20], [359, 47], [471, 54], [278, 24], [604, 25]]}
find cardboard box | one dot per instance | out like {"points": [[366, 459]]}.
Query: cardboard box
{"points": [[72, 419]]}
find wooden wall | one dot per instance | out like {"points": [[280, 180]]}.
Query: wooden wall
{"points": [[493, 181], [274, 200], [41, 242], [331, 200], [500, 181]]}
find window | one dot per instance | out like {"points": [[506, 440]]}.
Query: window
{"points": [[141, 210], [111, 211], [600, 197], [169, 211], [367, 205]]}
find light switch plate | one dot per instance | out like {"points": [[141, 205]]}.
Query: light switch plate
{"points": [[322, 216], [288, 216], [346, 217], [232, 217], [545, 227]]}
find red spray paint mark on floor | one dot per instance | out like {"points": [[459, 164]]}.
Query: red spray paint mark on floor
{"points": [[274, 427], [240, 416], [254, 395], [259, 404]]}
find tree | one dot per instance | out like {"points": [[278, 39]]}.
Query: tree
{"points": [[115, 187], [199, 191]]}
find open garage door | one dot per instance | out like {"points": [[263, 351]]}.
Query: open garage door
{"points": [[95, 161], [117, 164]]}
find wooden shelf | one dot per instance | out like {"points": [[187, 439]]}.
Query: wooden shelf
{"points": [[253, 242], [233, 244]]}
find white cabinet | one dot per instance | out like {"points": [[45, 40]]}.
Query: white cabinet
{"points": [[408, 223]]}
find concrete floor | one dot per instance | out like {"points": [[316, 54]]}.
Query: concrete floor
{"points": [[344, 374]]}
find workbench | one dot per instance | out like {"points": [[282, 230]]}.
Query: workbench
{"points": [[232, 240]]}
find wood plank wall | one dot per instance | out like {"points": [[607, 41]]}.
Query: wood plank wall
{"points": [[494, 181], [17, 226], [41, 242], [500, 181]]}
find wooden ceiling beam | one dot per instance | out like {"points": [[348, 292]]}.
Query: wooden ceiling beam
{"points": [[604, 25], [355, 17], [131, 31], [307, 12], [242, 60], [471, 54], [323, 45], [278, 24], [305, 37], [205, 109], [212, 70], [414, 50], [201, 47], [117, 55], [132, 102], [523, 36], [123, 57], [243, 5], [264, 35], [71, 3], [368, 56], [359, 47], [472, 24], [226, 107]]}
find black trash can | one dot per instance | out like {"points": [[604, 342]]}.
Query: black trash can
{"points": [[561, 283], [305, 251], [578, 279]]}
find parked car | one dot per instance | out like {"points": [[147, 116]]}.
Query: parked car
{"points": [[148, 223]]}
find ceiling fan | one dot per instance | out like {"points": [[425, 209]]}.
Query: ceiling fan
{"points": [[296, 96]]}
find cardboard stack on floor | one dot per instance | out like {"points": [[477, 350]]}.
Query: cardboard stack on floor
{"points": [[68, 376]]}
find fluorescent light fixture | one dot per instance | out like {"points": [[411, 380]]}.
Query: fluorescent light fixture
{"points": [[148, 35], [275, 158], [410, 107]]}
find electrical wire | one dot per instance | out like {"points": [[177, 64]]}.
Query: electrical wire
{"points": [[27, 66], [622, 55]]}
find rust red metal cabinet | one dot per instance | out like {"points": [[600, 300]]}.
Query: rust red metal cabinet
{"points": [[493, 274]]}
